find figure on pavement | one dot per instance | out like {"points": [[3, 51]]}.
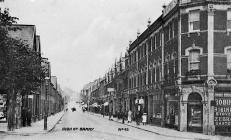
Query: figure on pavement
{"points": [[144, 118], [129, 116], [29, 116], [137, 118], [24, 116]]}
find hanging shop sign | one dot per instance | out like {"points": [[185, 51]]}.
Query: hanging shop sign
{"points": [[222, 111]]}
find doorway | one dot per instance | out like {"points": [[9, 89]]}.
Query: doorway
{"points": [[195, 113]]}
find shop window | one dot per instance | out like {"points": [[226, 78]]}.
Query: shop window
{"points": [[229, 20], [194, 20], [194, 61]]}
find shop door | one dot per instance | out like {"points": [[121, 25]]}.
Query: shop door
{"points": [[146, 104], [195, 113]]}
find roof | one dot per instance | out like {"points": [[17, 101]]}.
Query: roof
{"points": [[26, 33], [154, 26]]}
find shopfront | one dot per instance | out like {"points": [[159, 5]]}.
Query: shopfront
{"points": [[3, 107], [172, 112], [195, 113], [156, 118], [222, 113]]}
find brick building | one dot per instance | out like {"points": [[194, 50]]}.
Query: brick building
{"points": [[180, 66], [178, 69]]}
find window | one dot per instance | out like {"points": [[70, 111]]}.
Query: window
{"points": [[174, 62], [228, 52], [154, 42], [160, 34], [194, 20], [173, 29], [168, 61], [229, 19], [194, 59], [149, 45]]}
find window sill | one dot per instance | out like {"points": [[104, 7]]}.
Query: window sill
{"points": [[193, 31]]}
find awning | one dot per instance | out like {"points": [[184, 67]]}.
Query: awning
{"points": [[105, 104]]}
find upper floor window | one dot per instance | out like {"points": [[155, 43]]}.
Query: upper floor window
{"points": [[194, 60], [154, 44], [229, 19], [160, 39], [170, 32], [228, 52], [194, 20], [173, 29]]}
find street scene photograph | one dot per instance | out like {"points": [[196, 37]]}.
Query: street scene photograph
{"points": [[115, 69]]}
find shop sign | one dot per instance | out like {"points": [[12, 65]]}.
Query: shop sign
{"points": [[30, 96], [222, 111]]}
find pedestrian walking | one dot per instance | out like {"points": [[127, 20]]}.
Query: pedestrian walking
{"points": [[144, 118], [137, 118], [29, 116], [110, 115], [24, 116], [123, 117], [129, 116]]}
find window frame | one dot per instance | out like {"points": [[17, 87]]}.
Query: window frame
{"points": [[226, 52], [187, 53], [228, 20], [191, 28], [190, 62]]}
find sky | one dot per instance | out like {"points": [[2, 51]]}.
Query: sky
{"points": [[82, 38]]}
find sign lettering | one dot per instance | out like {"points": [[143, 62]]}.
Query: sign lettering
{"points": [[222, 111]]}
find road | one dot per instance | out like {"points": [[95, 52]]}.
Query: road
{"points": [[103, 129]]}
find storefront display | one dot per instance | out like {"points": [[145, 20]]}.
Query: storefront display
{"points": [[3, 108]]}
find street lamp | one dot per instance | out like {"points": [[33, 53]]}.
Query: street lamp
{"points": [[46, 102]]}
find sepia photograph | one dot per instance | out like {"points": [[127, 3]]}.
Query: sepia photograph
{"points": [[115, 69]]}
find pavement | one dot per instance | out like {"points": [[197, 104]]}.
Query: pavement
{"points": [[83, 126], [36, 127], [166, 131], [90, 126]]}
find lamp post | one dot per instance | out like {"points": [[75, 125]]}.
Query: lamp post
{"points": [[46, 102]]}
